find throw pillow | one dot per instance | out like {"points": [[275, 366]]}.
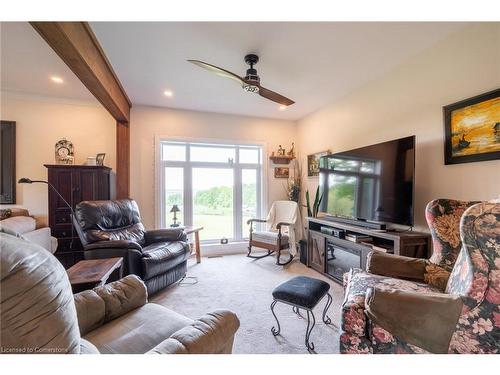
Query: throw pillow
{"points": [[5, 213]]}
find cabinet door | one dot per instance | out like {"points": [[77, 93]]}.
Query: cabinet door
{"points": [[316, 251], [59, 214], [89, 185]]}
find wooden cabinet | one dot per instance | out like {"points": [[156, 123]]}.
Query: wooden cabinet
{"points": [[316, 251], [75, 183]]}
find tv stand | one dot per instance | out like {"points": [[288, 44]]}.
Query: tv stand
{"points": [[356, 222], [332, 256]]}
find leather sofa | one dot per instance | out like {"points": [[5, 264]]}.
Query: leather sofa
{"points": [[39, 313], [113, 228]]}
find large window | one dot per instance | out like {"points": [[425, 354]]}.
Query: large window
{"points": [[215, 185]]}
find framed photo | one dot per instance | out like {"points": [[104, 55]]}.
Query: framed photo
{"points": [[99, 159], [313, 163], [472, 129], [281, 172]]}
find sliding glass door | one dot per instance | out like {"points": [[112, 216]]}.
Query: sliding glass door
{"points": [[216, 186]]}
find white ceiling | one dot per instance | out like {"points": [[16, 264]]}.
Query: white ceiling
{"points": [[27, 63], [311, 63]]}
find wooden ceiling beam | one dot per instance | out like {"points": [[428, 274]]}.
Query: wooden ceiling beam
{"points": [[77, 46], [122, 160]]}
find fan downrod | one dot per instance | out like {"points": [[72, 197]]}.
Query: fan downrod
{"points": [[251, 77], [251, 59]]}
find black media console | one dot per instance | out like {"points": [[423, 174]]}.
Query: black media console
{"points": [[335, 247]]}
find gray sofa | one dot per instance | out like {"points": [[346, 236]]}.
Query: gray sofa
{"points": [[39, 313], [21, 224]]}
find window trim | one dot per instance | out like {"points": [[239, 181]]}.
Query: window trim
{"points": [[159, 181]]}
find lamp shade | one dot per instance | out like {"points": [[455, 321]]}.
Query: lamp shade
{"points": [[175, 208]]}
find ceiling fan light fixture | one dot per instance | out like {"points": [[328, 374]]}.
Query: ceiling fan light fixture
{"points": [[248, 87], [249, 83]]}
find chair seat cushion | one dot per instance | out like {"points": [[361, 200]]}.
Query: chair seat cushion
{"points": [[353, 319], [269, 237], [160, 257], [302, 291], [137, 331]]}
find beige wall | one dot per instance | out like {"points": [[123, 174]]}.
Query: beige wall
{"points": [[150, 122], [404, 102], [409, 101], [40, 123]]}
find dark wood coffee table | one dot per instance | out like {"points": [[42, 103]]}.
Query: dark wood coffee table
{"points": [[88, 274]]}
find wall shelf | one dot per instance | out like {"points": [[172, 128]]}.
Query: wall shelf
{"points": [[282, 159]]}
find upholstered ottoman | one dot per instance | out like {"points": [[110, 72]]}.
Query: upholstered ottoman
{"points": [[302, 292]]}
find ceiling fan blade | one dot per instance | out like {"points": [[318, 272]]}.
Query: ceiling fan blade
{"points": [[219, 71], [274, 96]]}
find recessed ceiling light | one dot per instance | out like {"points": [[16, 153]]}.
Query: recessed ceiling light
{"points": [[282, 107], [168, 93], [56, 79]]}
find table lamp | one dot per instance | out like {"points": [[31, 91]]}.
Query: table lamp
{"points": [[175, 209]]}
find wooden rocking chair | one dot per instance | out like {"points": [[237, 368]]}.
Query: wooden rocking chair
{"points": [[272, 241]]}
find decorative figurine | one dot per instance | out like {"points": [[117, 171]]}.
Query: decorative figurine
{"points": [[64, 152], [291, 153], [281, 151]]}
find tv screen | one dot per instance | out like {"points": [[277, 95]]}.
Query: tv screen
{"points": [[373, 183]]}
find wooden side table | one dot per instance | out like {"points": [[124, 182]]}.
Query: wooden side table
{"points": [[88, 274], [196, 230]]}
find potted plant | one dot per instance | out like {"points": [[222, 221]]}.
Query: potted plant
{"points": [[313, 211], [294, 183]]}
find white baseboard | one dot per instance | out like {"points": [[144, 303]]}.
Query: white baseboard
{"points": [[210, 250]]}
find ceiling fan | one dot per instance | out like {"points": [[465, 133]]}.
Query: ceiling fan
{"points": [[249, 83]]}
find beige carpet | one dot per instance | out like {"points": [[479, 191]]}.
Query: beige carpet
{"points": [[244, 286]]}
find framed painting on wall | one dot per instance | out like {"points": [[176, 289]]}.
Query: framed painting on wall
{"points": [[313, 163], [8, 162], [472, 129], [281, 172]]}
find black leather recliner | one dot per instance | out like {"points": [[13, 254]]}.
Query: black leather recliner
{"points": [[113, 228]]}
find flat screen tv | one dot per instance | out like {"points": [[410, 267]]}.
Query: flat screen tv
{"points": [[372, 183]]}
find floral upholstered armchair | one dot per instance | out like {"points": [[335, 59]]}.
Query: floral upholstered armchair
{"points": [[406, 305], [443, 218]]}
